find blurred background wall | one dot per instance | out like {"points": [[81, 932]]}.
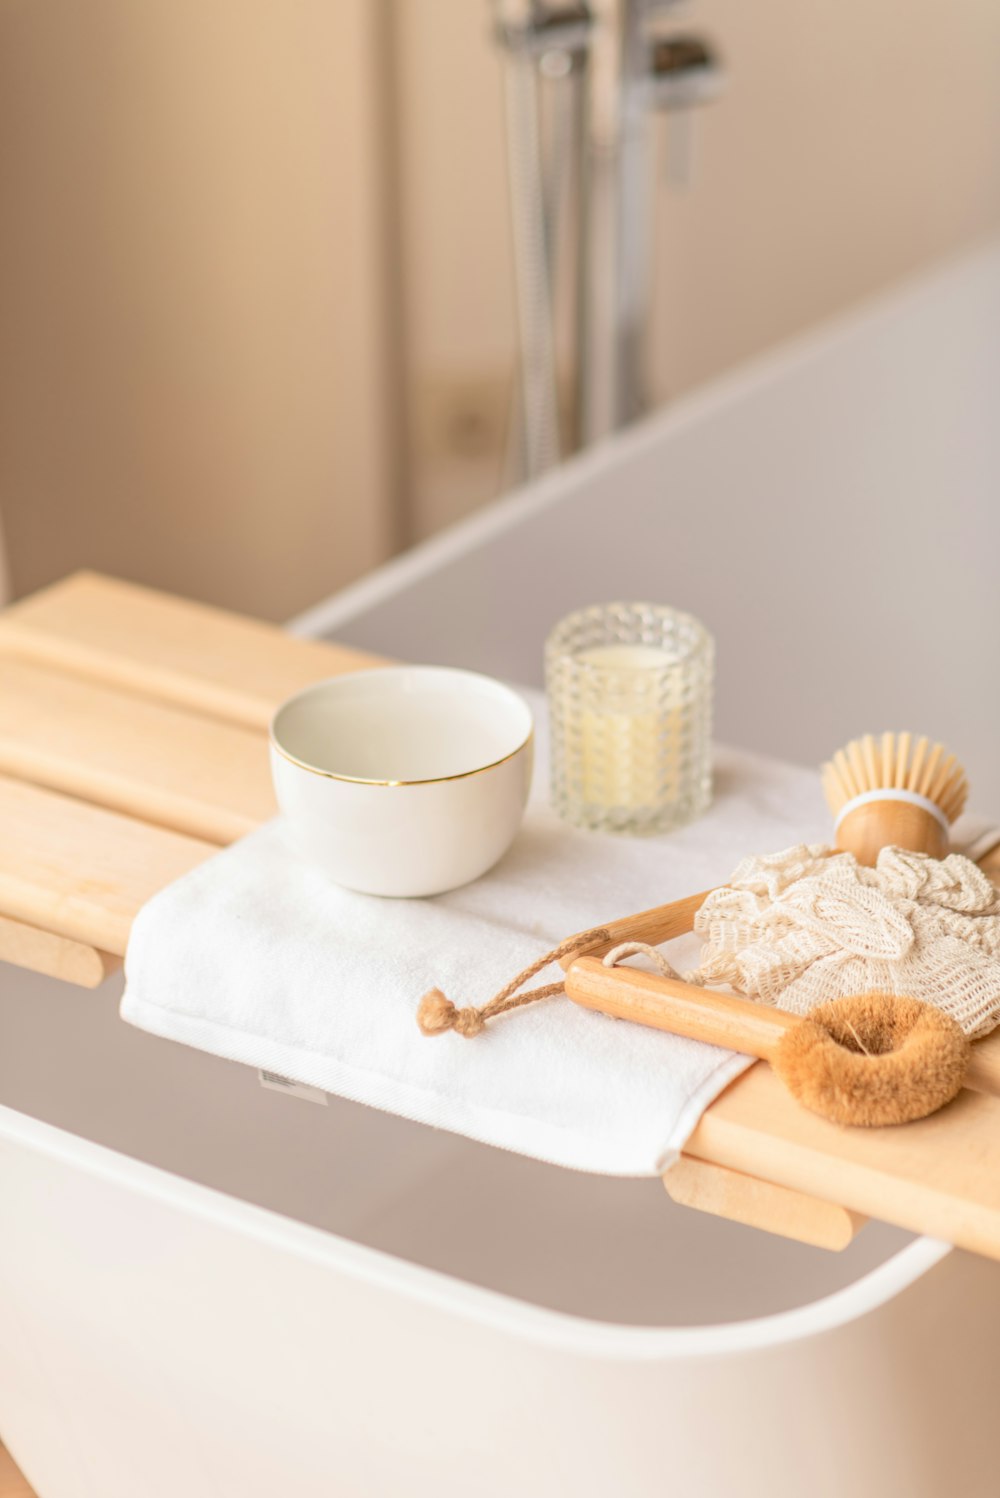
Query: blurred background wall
{"points": [[256, 313], [193, 339]]}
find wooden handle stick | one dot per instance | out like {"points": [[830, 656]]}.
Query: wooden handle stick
{"points": [[661, 923], [682, 1008]]}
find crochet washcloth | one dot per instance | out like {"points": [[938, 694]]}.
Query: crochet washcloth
{"points": [[806, 925]]}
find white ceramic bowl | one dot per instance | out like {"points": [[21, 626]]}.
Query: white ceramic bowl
{"points": [[406, 780]]}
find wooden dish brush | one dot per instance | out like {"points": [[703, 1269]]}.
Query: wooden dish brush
{"points": [[870, 1060], [892, 792]]}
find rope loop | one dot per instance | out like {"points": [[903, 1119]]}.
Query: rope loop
{"points": [[437, 1015], [641, 949]]}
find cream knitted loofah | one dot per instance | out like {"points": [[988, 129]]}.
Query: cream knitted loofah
{"points": [[807, 925]]}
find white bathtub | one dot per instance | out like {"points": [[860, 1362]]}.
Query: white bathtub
{"points": [[209, 1290]]}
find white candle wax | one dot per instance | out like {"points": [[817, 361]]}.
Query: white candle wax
{"points": [[626, 657], [628, 728]]}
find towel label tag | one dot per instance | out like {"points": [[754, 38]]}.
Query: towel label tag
{"points": [[277, 1083]]}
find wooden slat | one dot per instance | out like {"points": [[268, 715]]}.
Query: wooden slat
{"points": [[178, 769], [940, 1175], [12, 1483], [81, 871], [55, 956], [169, 648], [984, 1066], [760, 1204]]}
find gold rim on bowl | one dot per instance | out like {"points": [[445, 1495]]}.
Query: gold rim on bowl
{"points": [[427, 780], [302, 764]]}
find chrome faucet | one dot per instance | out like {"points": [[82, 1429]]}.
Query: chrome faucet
{"points": [[625, 65]]}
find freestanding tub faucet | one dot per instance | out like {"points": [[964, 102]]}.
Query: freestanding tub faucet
{"points": [[616, 64]]}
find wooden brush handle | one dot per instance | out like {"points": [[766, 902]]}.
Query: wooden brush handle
{"points": [[890, 824], [681, 1008], [661, 923]]}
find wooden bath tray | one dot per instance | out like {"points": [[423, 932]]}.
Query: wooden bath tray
{"points": [[132, 746]]}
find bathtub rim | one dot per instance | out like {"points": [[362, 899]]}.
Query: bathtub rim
{"points": [[491, 1309]]}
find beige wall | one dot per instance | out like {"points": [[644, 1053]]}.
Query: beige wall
{"points": [[191, 347], [199, 344], [857, 140]]}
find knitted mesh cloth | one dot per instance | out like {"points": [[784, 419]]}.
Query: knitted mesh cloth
{"points": [[807, 925]]}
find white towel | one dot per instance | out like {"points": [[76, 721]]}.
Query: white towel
{"points": [[258, 957]]}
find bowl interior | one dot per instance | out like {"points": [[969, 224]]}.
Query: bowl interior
{"points": [[402, 724]]}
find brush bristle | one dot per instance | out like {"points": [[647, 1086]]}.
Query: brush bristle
{"points": [[895, 761]]}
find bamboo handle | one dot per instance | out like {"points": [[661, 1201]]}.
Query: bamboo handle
{"points": [[682, 1008], [883, 824], [661, 923]]}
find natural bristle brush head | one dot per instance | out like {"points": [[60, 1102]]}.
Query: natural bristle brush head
{"points": [[874, 1059], [894, 791]]}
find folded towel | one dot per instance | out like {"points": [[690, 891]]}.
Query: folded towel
{"points": [[258, 957]]}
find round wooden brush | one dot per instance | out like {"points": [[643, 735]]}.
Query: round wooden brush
{"points": [[894, 792]]}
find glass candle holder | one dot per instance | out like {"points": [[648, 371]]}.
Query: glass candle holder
{"points": [[630, 703]]}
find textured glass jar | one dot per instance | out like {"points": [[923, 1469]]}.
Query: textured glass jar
{"points": [[630, 705]]}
